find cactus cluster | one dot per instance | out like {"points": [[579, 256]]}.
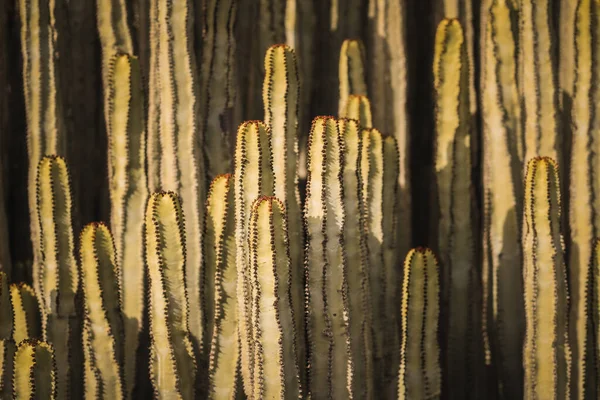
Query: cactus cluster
{"points": [[279, 260]]}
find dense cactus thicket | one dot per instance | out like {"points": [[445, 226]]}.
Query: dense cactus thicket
{"points": [[284, 199]]}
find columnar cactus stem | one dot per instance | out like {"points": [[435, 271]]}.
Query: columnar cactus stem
{"points": [[34, 371], [539, 95], [546, 352], [584, 196], [253, 178], [26, 313], [595, 307], [358, 107], [329, 355], [351, 72], [128, 194], [361, 343], [453, 177], [420, 373], [6, 308], [182, 161], [276, 373], [172, 360], [503, 312], [45, 125], [219, 295], [217, 88], [281, 96], [60, 277], [101, 291], [153, 149], [7, 352]]}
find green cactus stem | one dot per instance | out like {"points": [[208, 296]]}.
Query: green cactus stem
{"points": [[355, 239], [220, 291], [26, 313], [276, 372], [45, 125], [253, 178], [420, 373], [329, 354], [358, 107], [352, 73], [546, 351], [128, 194], [172, 360], [453, 178], [7, 351], [503, 311], [34, 371], [6, 308], [101, 291]]}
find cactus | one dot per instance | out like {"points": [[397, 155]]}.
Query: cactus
{"points": [[26, 313], [104, 323], [329, 353], [351, 72], [275, 364], [7, 351], [358, 107], [219, 295], [182, 159], [503, 312], [173, 364], [45, 125], [546, 351], [453, 177], [419, 376], [34, 371], [6, 308], [59, 279], [361, 345], [281, 96], [253, 178], [128, 193], [584, 203]]}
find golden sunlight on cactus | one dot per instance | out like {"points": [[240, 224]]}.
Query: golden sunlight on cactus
{"points": [[34, 371], [26, 313], [351, 72]]}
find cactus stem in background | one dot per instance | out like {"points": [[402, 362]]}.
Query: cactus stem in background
{"points": [[358, 107], [352, 73], [6, 308]]}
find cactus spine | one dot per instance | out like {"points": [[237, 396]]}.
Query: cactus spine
{"points": [[358, 107], [173, 364], [329, 355], [253, 178], [281, 94], [584, 201], [420, 373], [276, 372], [220, 295], [351, 72], [100, 274], [182, 161], [26, 313], [503, 312], [128, 193], [360, 336], [546, 352], [453, 176], [45, 126], [60, 276], [7, 352], [34, 371]]}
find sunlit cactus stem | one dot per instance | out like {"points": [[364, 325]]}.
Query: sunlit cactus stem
{"points": [[420, 374], [355, 239], [352, 73], [329, 355], [34, 371], [253, 178], [45, 125], [220, 291], [281, 92], [26, 313], [172, 360], [276, 366], [101, 291], [455, 239], [503, 144], [358, 107], [7, 352], [128, 195], [59, 279], [584, 191], [546, 351]]}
